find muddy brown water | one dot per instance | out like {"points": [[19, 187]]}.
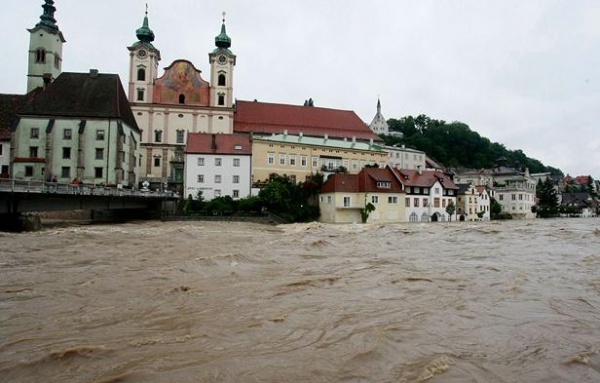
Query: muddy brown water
{"points": [[238, 302]]}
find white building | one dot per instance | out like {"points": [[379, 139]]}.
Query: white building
{"points": [[405, 158], [428, 194], [218, 165], [80, 126]]}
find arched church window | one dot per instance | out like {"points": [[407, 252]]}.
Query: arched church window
{"points": [[141, 75], [221, 100], [221, 80], [40, 56], [182, 98]]}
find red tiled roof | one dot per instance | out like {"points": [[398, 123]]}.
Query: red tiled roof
{"points": [[365, 181], [261, 117], [425, 178], [206, 143], [583, 180], [341, 182]]}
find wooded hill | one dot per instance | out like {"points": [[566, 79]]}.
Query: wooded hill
{"points": [[456, 145]]}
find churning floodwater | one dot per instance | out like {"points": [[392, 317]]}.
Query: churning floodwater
{"points": [[515, 301]]}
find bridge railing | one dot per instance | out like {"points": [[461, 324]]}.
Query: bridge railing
{"points": [[36, 186]]}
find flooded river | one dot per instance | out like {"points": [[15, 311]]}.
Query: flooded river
{"points": [[239, 302]]}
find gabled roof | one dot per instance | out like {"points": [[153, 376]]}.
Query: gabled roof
{"points": [[578, 199], [365, 181], [206, 143], [261, 117], [583, 180], [425, 178], [83, 95]]}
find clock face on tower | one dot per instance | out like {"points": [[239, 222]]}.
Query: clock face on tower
{"points": [[222, 59], [142, 53]]}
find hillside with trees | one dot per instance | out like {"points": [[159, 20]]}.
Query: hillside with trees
{"points": [[456, 145]]}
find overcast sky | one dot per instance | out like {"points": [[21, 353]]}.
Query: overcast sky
{"points": [[525, 74]]}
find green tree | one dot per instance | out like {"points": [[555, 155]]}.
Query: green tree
{"points": [[450, 209], [495, 209], [547, 205], [366, 211]]}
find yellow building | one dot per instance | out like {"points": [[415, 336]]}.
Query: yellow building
{"points": [[299, 156]]}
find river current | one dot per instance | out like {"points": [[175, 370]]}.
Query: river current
{"points": [[514, 301]]}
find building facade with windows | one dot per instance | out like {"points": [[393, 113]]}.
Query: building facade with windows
{"points": [[401, 157], [218, 165], [343, 196], [178, 102], [299, 156], [80, 126], [428, 194]]}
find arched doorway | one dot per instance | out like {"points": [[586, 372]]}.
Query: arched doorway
{"points": [[434, 217]]}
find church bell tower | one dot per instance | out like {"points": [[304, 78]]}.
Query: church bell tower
{"points": [[45, 49], [143, 65], [222, 61]]}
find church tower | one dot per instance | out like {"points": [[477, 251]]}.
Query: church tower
{"points": [[379, 125], [222, 61], [45, 49], [143, 65]]}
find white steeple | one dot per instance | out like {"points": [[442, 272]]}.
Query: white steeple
{"points": [[379, 125]]}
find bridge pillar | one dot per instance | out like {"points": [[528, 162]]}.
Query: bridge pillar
{"points": [[18, 222]]}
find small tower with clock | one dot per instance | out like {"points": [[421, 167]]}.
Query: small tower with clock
{"points": [[143, 64], [222, 61]]}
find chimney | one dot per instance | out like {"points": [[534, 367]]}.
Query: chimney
{"points": [[300, 135], [354, 139], [370, 142], [419, 169], [326, 137], [93, 73]]}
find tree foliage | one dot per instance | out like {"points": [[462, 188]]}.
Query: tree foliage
{"points": [[290, 200], [450, 209], [547, 199], [456, 145]]}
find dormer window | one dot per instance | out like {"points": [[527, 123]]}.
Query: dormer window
{"points": [[384, 184]]}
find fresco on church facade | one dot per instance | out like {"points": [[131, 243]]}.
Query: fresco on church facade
{"points": [[181, 84]]}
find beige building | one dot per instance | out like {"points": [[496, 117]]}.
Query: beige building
{"points": [[343, 197], [299, 156]]}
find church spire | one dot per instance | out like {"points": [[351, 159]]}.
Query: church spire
{"points": [[47, 20], [222, 40], [378, 106], [145, 34]]}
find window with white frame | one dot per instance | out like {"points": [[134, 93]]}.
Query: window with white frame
{"points": [[270, 158], [347, 201], [218, 161], [217, 178], [393, 199], [200, 161], [374, 199], [282, 158], [236, 194], [200, 178], [329, 200], [236, 162], [292, 160], [236, 179], [303, 161], [315, 162]]}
